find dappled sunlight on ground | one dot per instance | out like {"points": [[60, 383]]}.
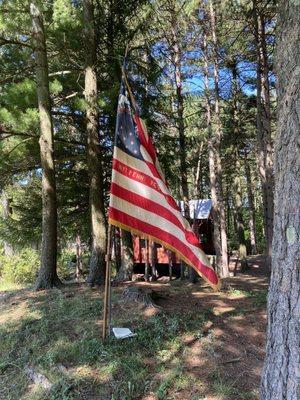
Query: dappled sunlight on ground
{"points": [[197, 345]]}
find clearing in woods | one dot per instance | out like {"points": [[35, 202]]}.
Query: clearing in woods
{"points": [[198, 345]]}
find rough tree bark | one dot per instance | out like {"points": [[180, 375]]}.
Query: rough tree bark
{"points": [[6, 211], [211, 160], [237, 186], [127, 261], [176, 58], [176, 52], [198, 190], [98, 232], [217, 140], [47, 276], [251, 208], [79, 265], [281, 373], [240, 227], [264, 140], [153, 260]]}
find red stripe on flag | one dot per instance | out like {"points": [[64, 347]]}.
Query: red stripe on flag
{"points": [[145, 141], [154, 171], [152, 206], [147, 180], [166, 237]]}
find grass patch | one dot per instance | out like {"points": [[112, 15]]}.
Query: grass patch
{"points": [[58, 334], [260, 299], [10, 286], [233, 292]]}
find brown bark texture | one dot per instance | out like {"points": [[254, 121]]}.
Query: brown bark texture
{"points": [[238, 205], [47, 276], [127, 263], [264, 139], [211, 159], [97, 215], [176, 58], [281, 373], [180, 108], [251, 208], [224, 271], [79, 264], [6, 211], [237, 185]]}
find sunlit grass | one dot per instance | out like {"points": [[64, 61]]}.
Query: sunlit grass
{"points": [[10, 286], [58, 334]]}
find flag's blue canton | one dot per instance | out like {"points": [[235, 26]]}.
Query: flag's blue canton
{"points": [[126, 135]]}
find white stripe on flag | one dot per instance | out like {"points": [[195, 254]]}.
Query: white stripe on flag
{"points": [[148, 193], [157, 221]]}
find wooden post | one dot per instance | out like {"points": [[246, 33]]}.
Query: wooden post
{"points": [[182, 269], [170, 264], [106, 306], [146, 260], [153, 260]]}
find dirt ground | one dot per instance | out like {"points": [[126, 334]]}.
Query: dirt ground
{"points": [[218, 357], [232, 347]]}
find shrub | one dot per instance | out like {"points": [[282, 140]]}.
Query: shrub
{"points": [[20, 268], [66, 263]]}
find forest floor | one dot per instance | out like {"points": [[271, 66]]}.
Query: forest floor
{"points": [[199, 345]]}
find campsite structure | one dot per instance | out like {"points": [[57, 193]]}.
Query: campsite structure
{"points": [[150, 252]]}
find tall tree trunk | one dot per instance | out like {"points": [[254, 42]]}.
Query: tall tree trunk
{"points": [[47, 276], [237, 186], [217, 139], [180, 123], [251, 208], [79, 265], [281, 373], [211, 161], [98, 233], [6, 211], [198, 179], [237, 196], [265, 147], [180, 109], [127, 261], [153, 261]]}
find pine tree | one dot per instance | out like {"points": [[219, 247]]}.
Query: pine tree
{"points": [[47, 274], [97, 261], [280, 378]]}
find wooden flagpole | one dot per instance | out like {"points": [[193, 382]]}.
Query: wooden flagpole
{"points": [[106, 306], [107, 289]]}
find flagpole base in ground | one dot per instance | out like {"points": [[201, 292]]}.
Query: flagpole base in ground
{"points": [[107, 288]]}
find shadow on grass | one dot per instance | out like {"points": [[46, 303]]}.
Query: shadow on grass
{"points": [[202, 344]]}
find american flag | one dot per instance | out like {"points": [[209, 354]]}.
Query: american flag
{"points": [[140, 200]]}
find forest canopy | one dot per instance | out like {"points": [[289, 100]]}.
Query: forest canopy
{"points": [[202, 73]]}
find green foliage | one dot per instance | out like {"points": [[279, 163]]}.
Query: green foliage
{"points": [[22, 227], [147, 28], [55, 87], [66, 263], [20, 268], [65, 16], [260, 298]]}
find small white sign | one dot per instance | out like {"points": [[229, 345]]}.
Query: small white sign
{"points": [[123, 333]]}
